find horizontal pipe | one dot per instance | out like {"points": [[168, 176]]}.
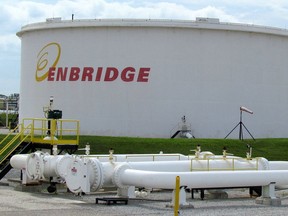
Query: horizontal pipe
{"points": [[152, 174], [278, 165], [19, 161], [141, 157], [202, 165], [213, 179], [42, 164]]}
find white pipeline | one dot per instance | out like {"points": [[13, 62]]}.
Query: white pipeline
{"points": [[278, 165], [39, 165], [214, 179], [90, 174], [141, 157], [214, 164]]}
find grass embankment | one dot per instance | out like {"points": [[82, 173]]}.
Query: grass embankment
{"points": [[272, 149]]}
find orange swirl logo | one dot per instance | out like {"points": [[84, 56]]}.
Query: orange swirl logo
{"points": [[48, 57]]}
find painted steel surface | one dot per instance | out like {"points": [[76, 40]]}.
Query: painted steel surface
{"points": [[89, 174], [139, 77]]}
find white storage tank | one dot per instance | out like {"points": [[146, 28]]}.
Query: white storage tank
{"points": [[139, 77]]}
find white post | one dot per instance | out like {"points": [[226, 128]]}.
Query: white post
{"points": [[7, 106]]}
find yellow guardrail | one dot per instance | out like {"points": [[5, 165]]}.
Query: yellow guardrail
{"points": [[154, 157], [41, 131], [8, 135], [230, 165], [9, 146], [45, 131]]}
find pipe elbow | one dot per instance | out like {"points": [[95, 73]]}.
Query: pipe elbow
{"points": [[118, 172]]}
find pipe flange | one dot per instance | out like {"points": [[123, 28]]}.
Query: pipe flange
{"points": [[94, 167], [97, 170], [76, 175], [35, 166], [118, 171], [62, 165]]}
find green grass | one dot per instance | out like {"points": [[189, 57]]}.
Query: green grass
{"points": [[11, 118], [272, 149]]}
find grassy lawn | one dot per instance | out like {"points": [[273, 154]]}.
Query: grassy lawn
{"points": [[272, 149]]}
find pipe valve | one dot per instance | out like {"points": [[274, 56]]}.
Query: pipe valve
{"points": [[111, 151]]}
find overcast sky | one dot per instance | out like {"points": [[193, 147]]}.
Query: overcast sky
{"points": [[16, 13]]}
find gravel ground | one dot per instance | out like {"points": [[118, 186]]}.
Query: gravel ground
{"points": [[14, 202]]}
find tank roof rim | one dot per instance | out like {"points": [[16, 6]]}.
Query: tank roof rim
{"points": [[57, 23]]}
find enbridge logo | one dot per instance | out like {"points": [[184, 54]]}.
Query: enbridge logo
{"points": [[47, 57], [47, 69]]}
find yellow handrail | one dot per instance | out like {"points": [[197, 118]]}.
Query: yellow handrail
{"points": [[42, 133], [11, 150], [12, 141], [16, 128], [232, 166], [154, 156], [38, 130]]}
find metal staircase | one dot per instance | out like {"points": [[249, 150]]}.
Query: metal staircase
{"points": [[13, 144]]}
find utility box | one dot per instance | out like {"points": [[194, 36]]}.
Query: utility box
{"points": [[54, 114]]}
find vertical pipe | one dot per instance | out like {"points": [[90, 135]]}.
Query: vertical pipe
{"points": [[177, 190]]}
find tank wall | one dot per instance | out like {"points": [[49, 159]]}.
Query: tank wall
{"points": [[203, 74]]}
